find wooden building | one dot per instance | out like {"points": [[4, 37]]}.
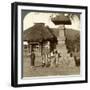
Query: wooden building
{"points": [[39, 38]]}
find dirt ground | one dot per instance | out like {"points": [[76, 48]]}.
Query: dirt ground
{"points": [[38, 70]]}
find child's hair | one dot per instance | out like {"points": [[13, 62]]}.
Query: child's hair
{"points": [[70, 54], [59, 54], [55, 51], [32, 51]]}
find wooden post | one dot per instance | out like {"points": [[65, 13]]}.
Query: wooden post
{"points": [[29, 46], [41, 48]]}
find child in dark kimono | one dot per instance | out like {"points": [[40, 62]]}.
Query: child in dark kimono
{"points": [[32, 57]]}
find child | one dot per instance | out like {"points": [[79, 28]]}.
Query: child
{"points": [[56, 58], [52, 59], [32, 57]]}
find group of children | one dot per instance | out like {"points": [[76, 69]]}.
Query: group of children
{"points": [[51, 59], [48, 59]]}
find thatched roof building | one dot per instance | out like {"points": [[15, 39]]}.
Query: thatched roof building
{"points": [[38, 33]]}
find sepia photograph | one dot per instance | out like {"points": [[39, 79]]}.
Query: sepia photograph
{"points": [[49, 44]]}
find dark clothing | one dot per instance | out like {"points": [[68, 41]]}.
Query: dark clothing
{"points": [[77, 61], [32, 56]]}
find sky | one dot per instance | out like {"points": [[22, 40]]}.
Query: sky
{"points": [[39, 17]]}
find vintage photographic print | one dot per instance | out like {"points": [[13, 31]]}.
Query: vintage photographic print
{"points": [[49, 44]]}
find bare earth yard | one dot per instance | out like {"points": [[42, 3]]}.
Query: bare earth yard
{"points": [[38, 70]]}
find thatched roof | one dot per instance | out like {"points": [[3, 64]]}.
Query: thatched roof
{"points": [[38, 33], [61, 19]]}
